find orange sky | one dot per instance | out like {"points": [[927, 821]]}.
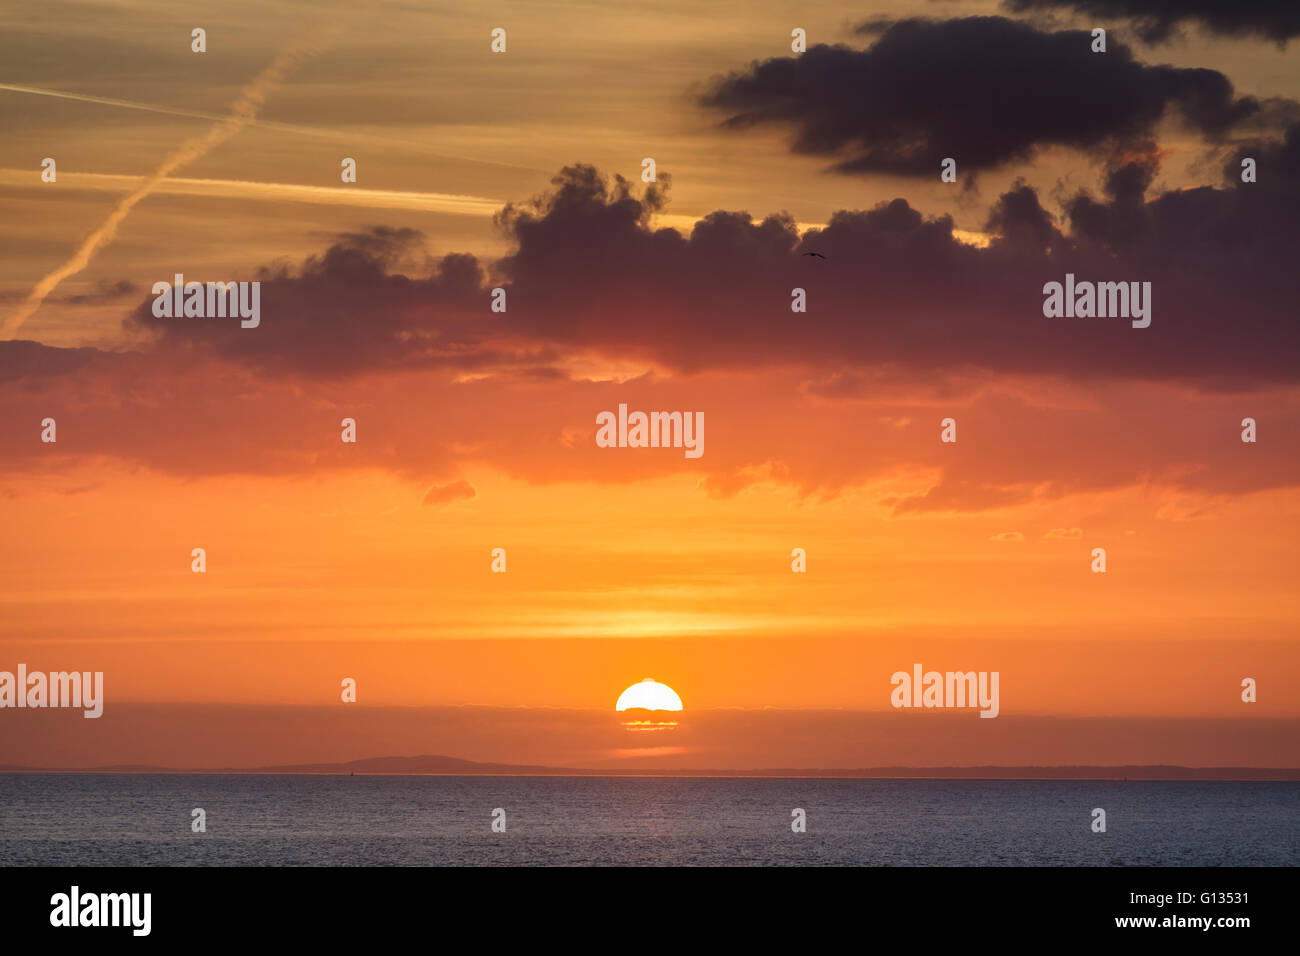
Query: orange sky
{"points": [[372, 560]]}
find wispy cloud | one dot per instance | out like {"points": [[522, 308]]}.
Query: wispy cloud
{"points": [[242, 111]]}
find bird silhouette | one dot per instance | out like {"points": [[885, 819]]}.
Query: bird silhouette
{"points": [[817, 254]]}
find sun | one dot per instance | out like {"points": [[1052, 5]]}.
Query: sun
{"points": [[644, 697], [649, 695]]}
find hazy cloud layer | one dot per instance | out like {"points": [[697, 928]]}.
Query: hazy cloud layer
{"points": [[905, 325], [211, 736]]}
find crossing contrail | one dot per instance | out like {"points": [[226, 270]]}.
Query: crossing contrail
{"points": [[242, 112], [299, 129], [112, 101]]}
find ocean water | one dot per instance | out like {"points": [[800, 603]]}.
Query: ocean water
{"points": [[290, 820]]}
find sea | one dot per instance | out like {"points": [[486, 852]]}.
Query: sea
{"points": [[131, 819]]}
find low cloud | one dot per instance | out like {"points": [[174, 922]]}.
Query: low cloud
{"points": [[444, 494]]}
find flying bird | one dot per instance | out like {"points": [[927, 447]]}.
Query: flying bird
{"points": [[817, 254]]}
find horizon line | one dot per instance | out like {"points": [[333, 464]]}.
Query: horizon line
{"points": [[441, 765]]}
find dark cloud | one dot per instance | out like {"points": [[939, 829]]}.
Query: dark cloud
{"points": [[1019, 221], [21, 359], [1122, 220], [983, 90], [1157, 21], [902, 316], [898, 288], [590, 276], [348, 310]]}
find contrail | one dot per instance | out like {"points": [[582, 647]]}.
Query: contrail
{"points": [[446, 203], [297, 128], [242, 112], [112, 101], [453, 203]]}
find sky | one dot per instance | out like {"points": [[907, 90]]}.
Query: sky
{"points": [[476, 429]]}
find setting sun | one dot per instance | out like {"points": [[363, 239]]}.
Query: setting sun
{"points": [[649, 695]]}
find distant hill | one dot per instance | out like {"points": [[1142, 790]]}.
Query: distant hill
{"points": [[436, 764], [423, 764]]}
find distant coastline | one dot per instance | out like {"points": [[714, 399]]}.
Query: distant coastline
{"points": [[433, 765]]}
